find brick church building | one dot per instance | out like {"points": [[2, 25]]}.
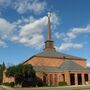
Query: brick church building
{"points": [[54, 67]]}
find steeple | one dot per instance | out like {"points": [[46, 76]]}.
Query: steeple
{"points": [[49, 43], [3, 66], [49, 29]]}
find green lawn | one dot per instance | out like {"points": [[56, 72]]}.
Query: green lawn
{"points": [[82, 87], [58, 88]]}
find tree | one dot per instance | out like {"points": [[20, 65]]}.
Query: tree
{"points": [[22, 74], [1, 74], [11, 71], [2, 68]]}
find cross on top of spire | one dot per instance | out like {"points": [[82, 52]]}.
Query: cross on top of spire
{"points": [[49, 14]]}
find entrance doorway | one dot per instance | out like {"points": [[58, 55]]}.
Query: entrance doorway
{"points": [[72, 79], [86, 78], [44, 80], [79, 79], [63, 77]]}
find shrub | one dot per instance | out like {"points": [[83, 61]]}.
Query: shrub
{"points": [[11, 84], [0, 81], [62, 84], [39, 82], [28, 84], [6, 84]]}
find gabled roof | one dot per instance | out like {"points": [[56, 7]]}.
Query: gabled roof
{"points": [[55, 54], [67, 65], [50, 53], [46, 69], [87, 68], [70, 65]]}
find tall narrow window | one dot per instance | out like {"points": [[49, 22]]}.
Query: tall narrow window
{"points": [[86, 77]]}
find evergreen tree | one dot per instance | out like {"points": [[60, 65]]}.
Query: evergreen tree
{"points": [[1, 73]]}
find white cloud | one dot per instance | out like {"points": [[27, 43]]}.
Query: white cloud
{"points": [[28, 31], [73, 33], [6, 28], [54, 20], [76, 31], [36, 41], [66, 46], [59, 35], [24, 6], [2, 44], [34, 6], [88, 64], [24, 21], [36, 27], [31, 33], [70, 36]]}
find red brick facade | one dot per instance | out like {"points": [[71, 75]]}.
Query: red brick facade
{"points": [[53, 78]]}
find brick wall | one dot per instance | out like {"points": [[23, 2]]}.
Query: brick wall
{"points": [[7, 79], [39, 61]]}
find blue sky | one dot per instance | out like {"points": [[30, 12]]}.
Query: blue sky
{"points": [[23, 28]]}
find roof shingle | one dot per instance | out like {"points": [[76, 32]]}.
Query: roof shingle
{"points": [[57, 54]]}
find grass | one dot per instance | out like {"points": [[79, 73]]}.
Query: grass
{"points": [[6, 88], [58, 88], [81, 87]]}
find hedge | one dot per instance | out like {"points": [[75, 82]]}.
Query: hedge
{"points": [[62, 84]]}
